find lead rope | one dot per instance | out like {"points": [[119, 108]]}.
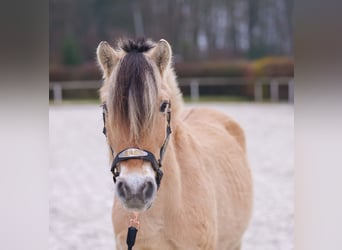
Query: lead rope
{"points": [[132, 231]]}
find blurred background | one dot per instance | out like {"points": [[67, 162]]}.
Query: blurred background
{"points": [[230, 49], [232, 55]]}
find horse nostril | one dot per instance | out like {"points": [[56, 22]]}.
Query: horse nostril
{"points": [[122, 189], [147, 190]]}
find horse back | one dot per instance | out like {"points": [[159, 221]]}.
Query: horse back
{"points": [[203, 117]]}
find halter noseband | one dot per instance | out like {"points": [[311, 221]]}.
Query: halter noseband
{"points": [[136, 153]]}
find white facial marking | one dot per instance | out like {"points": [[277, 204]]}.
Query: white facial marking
{"points": [[136, 179]]}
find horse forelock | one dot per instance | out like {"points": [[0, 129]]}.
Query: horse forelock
{"points": [[135, 95]]}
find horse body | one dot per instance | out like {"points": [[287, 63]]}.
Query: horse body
{"points": [[205, 199]]}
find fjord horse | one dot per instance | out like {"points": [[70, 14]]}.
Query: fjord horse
{"points": [[203, 199]]}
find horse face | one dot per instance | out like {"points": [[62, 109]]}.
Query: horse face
{"points": [[136, 185], [133, 91]]}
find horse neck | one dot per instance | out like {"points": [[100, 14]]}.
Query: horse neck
{"points": [[171, 191]]}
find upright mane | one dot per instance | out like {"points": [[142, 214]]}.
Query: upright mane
{"points": [[140, 45], [135, 93]]}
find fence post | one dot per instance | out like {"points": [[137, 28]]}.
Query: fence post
{"points": [[258, 91], [57, 93], [194, 90], [274, 90], [291, 91]]}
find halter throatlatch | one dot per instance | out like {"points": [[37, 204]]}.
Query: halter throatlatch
{"points": [[136, 153]]}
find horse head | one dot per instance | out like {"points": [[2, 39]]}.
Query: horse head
{"points": [[137, 116]]}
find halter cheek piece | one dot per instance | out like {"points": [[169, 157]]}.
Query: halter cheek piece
{"points": [[136, 153]]}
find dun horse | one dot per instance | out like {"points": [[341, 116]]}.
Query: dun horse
{"points": [[194, 192]]}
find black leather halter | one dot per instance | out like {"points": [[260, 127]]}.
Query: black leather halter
{"points": [[136, 153]]}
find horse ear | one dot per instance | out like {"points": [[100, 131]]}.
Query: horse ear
{"points": [[106, 58], [161, 54]]}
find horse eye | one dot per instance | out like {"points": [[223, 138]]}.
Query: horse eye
{"points": [[163, 106]]}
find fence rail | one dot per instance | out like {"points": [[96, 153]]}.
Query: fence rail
{"points": [[194, 84]]}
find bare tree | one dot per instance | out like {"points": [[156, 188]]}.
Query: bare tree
{"points": [[195, 28]]}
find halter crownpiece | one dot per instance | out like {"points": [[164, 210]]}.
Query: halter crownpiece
{"points": [[137, 153]]}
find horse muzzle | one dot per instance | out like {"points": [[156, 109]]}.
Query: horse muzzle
{"points": [[136, 192]]}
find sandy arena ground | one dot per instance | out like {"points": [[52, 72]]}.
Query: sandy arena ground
{"points": [[81, 186]]}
